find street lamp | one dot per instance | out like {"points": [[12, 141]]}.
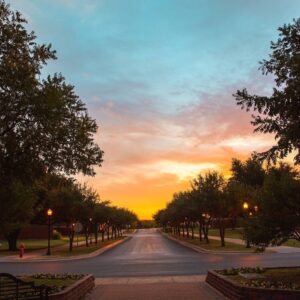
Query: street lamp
{"points": [[49, 215], [245, 205]]}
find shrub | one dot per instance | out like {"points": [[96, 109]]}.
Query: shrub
{"points": [[56, 235]]}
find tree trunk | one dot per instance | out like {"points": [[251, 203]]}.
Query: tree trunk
{"points": [[205, 233], [200, 231], [96, 233], [102, 235], [187, 230], [222, 232], [71, 239], [192, 230], [12, 240], [108, 233], [86, 234], [233, 222]]}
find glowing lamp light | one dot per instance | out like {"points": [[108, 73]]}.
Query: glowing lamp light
{"points": [[49, 212], [245, 205]]}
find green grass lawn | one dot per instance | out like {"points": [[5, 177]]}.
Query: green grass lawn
{"points": [[215, 245], [30, 245], [229, 233], [292, 243], [238, 234], [82, 249]]}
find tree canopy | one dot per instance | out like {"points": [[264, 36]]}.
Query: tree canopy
{"points": [[44, 125], [278, 114]]}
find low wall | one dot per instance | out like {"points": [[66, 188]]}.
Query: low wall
{"points": [[234, 291], [77, 290], [38, 232]]}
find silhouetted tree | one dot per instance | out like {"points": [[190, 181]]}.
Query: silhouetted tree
{"points": [[280, 113], [44, 126], [278, 217]]}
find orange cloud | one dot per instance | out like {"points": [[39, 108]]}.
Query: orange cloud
{"points": [[150, 154]]}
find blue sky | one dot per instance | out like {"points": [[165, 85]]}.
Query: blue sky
{"points": [[158, 75]]}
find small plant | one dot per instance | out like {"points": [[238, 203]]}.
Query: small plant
{"points": [[57, 276], [56, 235], [268, 284], [51, 285], [244, 270]]}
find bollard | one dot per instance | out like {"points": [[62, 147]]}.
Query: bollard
{"points": [[22, 248]]}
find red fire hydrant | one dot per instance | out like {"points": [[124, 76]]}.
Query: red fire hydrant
{"points": [[22, 248]]}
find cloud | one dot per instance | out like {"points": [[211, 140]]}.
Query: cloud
{"points": [[150, 153], [158, 77]]}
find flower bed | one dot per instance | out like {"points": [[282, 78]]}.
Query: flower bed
{"points": [[271, 283], [63, 286]]}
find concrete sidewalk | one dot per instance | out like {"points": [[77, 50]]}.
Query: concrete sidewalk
{"points": [[154, 288]]}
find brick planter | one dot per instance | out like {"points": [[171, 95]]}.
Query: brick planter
{"points": [[234, 291], [77, 290]]}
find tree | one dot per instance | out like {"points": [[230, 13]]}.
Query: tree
{"points": [[279, 113], [279, 208], [66, 199], [245, 183], [212, 186], [207, 200], [44, 126]]}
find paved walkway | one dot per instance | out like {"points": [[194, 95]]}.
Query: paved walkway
{"points": [[278, 249], [154, 288]]}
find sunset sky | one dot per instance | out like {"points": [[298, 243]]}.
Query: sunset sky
{"points": [[158, 76]]}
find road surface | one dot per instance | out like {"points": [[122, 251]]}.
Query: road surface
{"points": [[148, 253]]}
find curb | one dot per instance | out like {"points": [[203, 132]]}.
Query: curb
{"points": [[77, 291], [78, 257], [200, 249]]}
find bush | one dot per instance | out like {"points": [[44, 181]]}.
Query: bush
{"points": [[245, 270], [56, 235]]}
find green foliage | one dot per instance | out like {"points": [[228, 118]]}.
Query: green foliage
{"points": [[16, 205], [243, 270], [44, 126], [278, 216], [279, 113], [56, 235], [273, 197]]}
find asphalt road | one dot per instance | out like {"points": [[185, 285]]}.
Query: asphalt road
{"points": [[148, 253]]}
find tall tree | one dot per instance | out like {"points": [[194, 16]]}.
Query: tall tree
{"points": [[279, 113], [44, 126], [244, 185], [278, 216]]}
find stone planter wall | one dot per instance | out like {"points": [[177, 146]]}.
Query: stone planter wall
{"points": [[77, 290], [234, 291]]}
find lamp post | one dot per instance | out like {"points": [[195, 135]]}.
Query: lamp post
{"points": [[90, 230], [246, 207], [49, 215]]}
